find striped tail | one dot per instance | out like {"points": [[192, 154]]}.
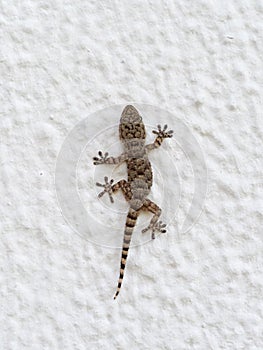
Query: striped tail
{"points": [[129, 226]]}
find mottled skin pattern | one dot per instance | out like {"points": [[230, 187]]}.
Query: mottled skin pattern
{"points": [[136, 189]]}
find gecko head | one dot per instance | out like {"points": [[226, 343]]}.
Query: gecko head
{"points": [[131, 124]]}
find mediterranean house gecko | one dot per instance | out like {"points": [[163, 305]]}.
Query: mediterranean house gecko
{"points": [[137, 187]]}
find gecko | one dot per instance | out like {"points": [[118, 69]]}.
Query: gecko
{"points": [[136, 188]]}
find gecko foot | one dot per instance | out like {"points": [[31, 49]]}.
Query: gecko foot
{"points": [[158, 226], [107, 188], [163, 133], [101, 159]]}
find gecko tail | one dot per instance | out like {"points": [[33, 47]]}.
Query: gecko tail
{"points": [[129, 226]]}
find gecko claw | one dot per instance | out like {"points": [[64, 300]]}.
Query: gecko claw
{"points": [[163, 133], [101, 159], [158, 226], [107, 188]]}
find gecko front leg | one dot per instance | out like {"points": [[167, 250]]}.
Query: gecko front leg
{"points": [[161, 135], [105, 159], [102, 159]]}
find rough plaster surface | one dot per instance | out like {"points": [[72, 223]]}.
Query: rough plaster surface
{"points": [[63, 60]]}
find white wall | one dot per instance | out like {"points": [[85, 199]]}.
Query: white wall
{"points": [[62, 61]]}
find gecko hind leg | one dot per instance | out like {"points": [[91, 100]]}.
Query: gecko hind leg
{"points": [[107, 188], [154, 225], [125, 187], [110, 188]]}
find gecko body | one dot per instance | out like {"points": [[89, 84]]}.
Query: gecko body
{"points": [[138, 185]]}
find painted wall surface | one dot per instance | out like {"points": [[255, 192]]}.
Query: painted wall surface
{"points": [[64, 63]]}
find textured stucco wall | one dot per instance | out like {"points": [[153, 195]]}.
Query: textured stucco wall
{"points": [[63, 60]]}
